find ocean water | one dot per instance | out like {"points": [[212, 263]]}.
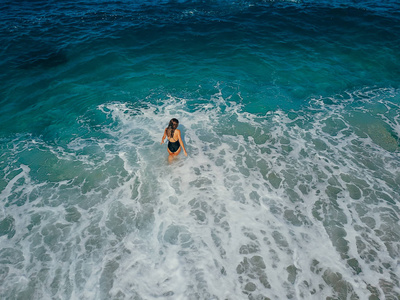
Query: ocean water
{"points": [[290, 114]]}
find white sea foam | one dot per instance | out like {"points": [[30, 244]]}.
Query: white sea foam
{"points": [[299, 205]]}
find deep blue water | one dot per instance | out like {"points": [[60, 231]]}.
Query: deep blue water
{"points": [[290, 113]]}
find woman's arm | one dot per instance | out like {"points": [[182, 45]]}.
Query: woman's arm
{"points": [[180, 142], [164, 136]]}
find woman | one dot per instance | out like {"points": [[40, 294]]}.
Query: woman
{"points": [[173, 135]]}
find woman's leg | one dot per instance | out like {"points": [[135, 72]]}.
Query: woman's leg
{"points": [[173, 154]]}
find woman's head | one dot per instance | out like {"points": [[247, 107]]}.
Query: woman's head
{"points": [[173, 124]]}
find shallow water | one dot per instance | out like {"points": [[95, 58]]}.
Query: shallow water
{"points": [[290, 113]]}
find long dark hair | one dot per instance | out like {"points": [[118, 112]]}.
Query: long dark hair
{"points": [[173, 124]]}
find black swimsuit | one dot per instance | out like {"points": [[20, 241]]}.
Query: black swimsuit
{"points": [[173, 146]]}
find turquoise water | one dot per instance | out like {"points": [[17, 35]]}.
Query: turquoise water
{"points": [[290, 113]]}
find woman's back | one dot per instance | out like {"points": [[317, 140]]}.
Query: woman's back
{"points": [[175, 137]]}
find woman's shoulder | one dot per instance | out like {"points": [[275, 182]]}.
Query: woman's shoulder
{"points": [[177, 134]]}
